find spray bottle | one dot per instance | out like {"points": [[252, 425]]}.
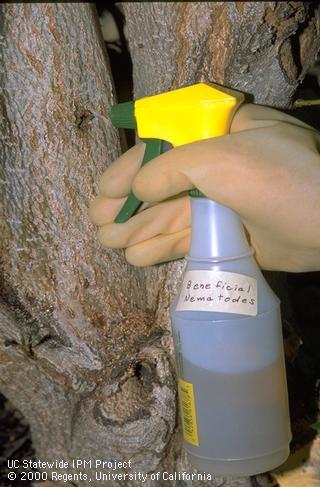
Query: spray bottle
{"points": [[225, 319]]}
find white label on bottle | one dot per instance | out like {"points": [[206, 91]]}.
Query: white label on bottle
{"points": [[225, 292]]}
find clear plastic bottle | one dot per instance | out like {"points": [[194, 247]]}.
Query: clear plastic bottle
{"points": [[229, 352]]}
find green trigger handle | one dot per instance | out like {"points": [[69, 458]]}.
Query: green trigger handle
{"points": [[132, 204], [122, 116]]}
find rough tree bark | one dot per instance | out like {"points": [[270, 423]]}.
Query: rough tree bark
{"points": [[76, 341], [85, 345]]}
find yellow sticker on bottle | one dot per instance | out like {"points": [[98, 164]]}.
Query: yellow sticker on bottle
{"points": [[188, 412]]}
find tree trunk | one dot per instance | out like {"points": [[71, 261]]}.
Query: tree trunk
{"points": [[86, 351], [79, 353], [261, 48]]}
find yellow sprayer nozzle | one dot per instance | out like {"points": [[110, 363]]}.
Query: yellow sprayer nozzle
{"points": [[188, 114]]}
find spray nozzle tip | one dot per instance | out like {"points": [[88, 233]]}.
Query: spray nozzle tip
{"points": [[122, 115]]}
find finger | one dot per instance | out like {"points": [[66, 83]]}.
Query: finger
{"points": [[117, 179], [165, 218], [162, 248], [104, 210], [200, 164]]}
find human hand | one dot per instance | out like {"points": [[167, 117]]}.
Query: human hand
{"points": [[267, 170]]}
